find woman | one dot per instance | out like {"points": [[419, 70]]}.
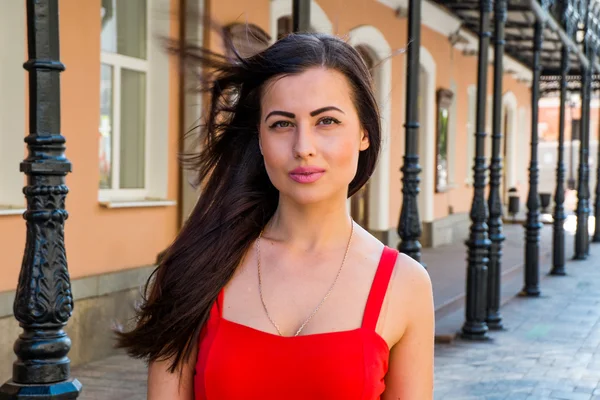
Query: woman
{"points": [[271, 291]]}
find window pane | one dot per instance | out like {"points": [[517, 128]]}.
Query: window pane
{"points": [[124, 29], [133, 129], [106, 125]]}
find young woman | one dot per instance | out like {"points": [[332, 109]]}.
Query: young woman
{"points": [[271, 291]]}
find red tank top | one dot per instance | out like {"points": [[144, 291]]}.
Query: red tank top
{"points": [[239, 362]]}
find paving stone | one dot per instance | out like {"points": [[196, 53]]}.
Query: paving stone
{"points": [[550, 348]]}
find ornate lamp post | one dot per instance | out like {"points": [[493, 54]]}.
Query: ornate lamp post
{"points": [[583, 190], [532, 224], [43, 302], [494, 318], [409, 226], [301, 15], [478, 243], [558, 245]]}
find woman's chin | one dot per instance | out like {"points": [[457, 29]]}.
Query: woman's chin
{"points": [[306, 196]]}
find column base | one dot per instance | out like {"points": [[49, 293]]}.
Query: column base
{"points": [[494, 321], [66, 390], [596, 239], [558, 271], [475, 331], [530, 292], [580, 257]]}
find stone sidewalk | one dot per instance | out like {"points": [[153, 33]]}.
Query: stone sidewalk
{"points": [[549, 350]]}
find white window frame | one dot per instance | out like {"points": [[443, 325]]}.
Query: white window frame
{"points": [[12, 107], [118, 62], [157, 114]]}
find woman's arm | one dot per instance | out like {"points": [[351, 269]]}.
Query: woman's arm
{"points": [[410, 373], [163, 384]]}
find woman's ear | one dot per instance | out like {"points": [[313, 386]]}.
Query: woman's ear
{"points": [[364, 140]]}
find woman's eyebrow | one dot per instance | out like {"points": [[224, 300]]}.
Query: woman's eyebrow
{"points": [[282, 113], [322, 110]]}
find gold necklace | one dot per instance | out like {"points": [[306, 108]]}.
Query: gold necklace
{"points": [[322, 301]]}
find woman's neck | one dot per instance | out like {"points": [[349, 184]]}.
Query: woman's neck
{"points": [[310, 228]]}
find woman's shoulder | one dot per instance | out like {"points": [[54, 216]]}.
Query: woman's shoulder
{"points": [[407, 275]]}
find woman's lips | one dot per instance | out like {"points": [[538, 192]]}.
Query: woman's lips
{"points": [[306, 174]]}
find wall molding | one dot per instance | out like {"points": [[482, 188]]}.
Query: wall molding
{"points": [[510, 106], [427, 137]]}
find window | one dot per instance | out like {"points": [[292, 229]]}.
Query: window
{"points": [[134, 94], [12, 106], [444, 101], [123, 97]]}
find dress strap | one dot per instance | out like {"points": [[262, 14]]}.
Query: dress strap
{"points": [[379, 287]]}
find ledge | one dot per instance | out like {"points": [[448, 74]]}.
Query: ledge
{"points": [[12, 210], [138, 203], [446, 188]]}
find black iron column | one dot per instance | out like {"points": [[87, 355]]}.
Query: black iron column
{"points": [[301, 15], [596, 237], [494, 318], [478, 243], [43, 302], [532, 224], [409, 226], [558, 244], [583, 195]]}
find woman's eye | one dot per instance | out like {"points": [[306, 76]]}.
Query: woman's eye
{"points": [[281, 124], [328, 121]]}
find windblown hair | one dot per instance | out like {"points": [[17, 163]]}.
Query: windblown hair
{"points": [[237, 198]]}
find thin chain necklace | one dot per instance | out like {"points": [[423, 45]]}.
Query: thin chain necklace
{"points": [[322, 301]]}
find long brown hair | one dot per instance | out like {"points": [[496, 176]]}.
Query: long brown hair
{"points": [[237, 198]]}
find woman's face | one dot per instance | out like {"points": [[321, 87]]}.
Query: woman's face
{"points": [[310, 135]]}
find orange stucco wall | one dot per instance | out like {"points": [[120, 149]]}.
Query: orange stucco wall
{"points": [[97, 239], [549, 118]]}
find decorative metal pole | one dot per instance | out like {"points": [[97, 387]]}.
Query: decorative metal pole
{"points": [[43, 302], [409, 226], [558, 245], [478, 243], [301, 15], [583, 195], [494, 318], [596, 237], [532, 224]]}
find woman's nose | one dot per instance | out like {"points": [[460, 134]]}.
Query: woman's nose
{"points": [[304, 145]]}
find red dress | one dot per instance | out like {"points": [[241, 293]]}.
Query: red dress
{"points": [[238, 362]]}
